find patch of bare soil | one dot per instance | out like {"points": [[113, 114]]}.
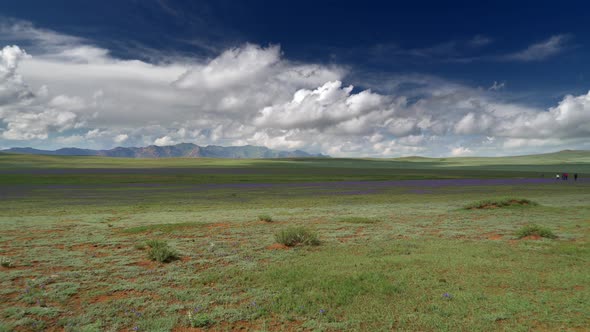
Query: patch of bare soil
{"points": [[16, 268], [219, 225], [498, 205], [532, 237], [494, 237], [147, 264], [277, 246], [486, 206]]}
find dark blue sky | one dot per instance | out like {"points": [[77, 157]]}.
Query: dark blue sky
{"points": [[460, 40], [434, 78]]}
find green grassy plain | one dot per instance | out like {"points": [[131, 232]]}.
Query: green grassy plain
{"points": [[412, 258]]}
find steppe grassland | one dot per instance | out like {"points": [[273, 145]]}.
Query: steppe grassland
{"points": [[406, 257]]}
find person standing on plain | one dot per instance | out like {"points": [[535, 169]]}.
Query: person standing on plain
{"points": [[575, 176], [557, 176]]}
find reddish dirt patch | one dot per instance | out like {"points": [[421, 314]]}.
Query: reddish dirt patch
{"points": [[84, 246], [10, 297], [486, 206], [577, 287], [495, 237], [497, 206], [219, 225], [46, 231], [519, 203], [16, 268], [277, 246], [147, 264], [10, 252], [532, 237]]}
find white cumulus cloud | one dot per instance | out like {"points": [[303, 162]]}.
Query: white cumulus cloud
{"points": [[164, 141], [120, 138], [65, 90]]}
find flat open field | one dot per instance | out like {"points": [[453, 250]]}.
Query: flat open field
{"points": [[397, 250]]}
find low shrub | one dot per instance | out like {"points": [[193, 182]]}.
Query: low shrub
{"points": [[199, 320], [6, 262], [535, 230], [160, 251], [499, 203], [265, 217], [293, 236]]}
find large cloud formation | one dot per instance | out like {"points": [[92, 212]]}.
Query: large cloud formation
{"points": [[28, 116], [69, 92]]}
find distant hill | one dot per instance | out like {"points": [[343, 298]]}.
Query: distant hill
{"points": [[560, 157], [182, 150]]}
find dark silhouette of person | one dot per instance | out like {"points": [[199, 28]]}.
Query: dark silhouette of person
{"points": [[575, 176]]}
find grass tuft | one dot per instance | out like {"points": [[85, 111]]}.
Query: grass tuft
{"points": [[499, 203], [160, 251], [6, 262], [535, 230], [265, 217], [293, 236], [199, 320]]}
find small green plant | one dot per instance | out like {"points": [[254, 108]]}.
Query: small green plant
{"points": [[199, 319], [6, 262], [35, 291], [293, 236], [160, 251], [265, 217], [535, 230], [500, 203]]}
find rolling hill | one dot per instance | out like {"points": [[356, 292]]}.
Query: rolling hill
{"points": [[182, 150]]}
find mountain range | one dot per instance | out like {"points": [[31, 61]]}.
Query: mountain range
{"points": [[182, 150]]}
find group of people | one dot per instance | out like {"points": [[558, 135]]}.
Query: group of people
{"points": [[564, 176]]}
